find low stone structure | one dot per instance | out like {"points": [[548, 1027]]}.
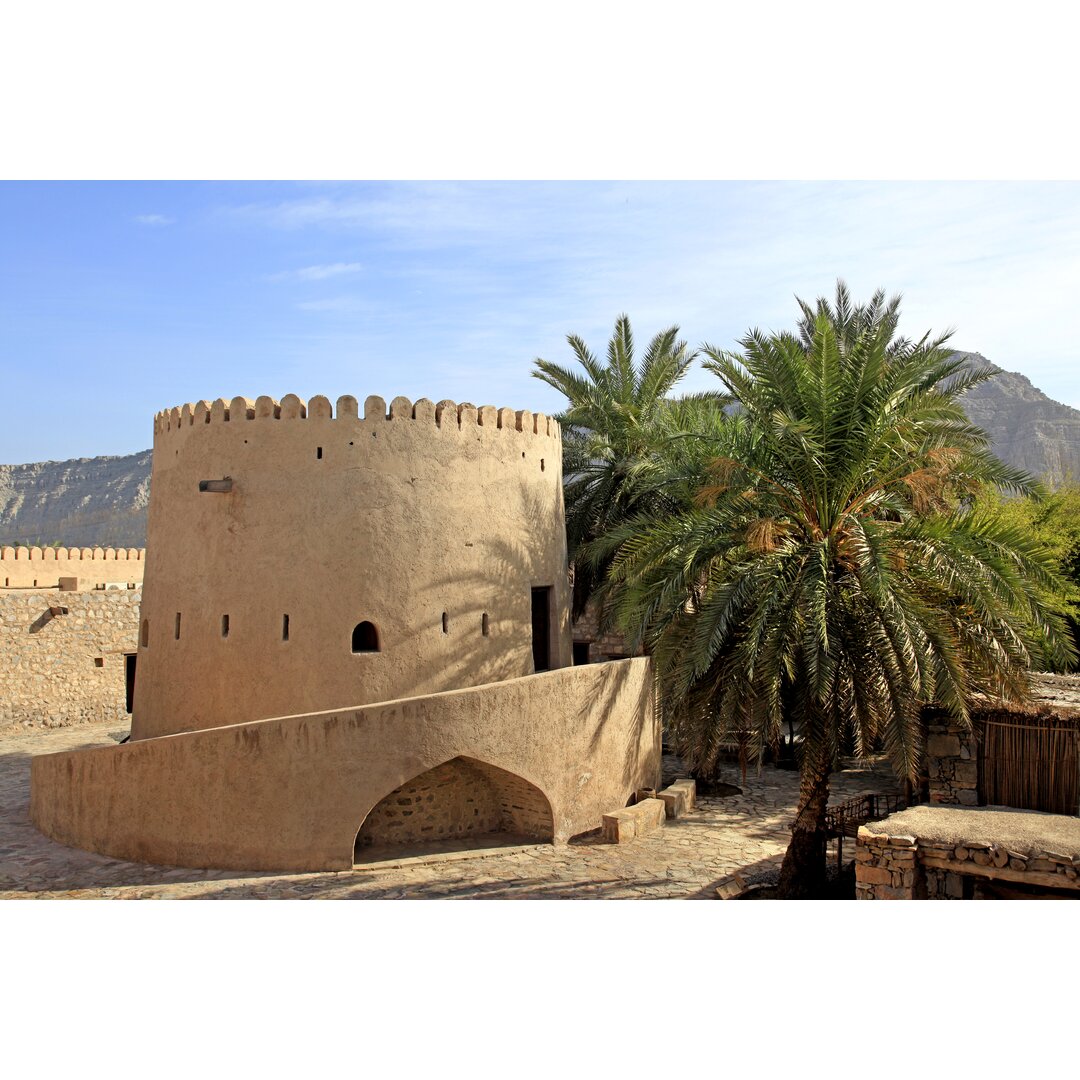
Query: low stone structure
{"points": [[65, 656], [945, 853]]}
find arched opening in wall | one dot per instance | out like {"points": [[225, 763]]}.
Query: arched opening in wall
{"points": [[462, 805], [365, 638]]}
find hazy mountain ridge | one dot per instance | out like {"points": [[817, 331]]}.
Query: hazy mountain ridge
{"points": [[1028, 429], [79, 503], [103, 500]]}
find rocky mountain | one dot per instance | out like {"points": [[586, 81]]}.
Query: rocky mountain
{"points": [[103, 500], [1027, 428], [81, 503]]}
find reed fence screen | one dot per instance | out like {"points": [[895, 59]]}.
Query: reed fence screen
{"points": [[1030, 762]]}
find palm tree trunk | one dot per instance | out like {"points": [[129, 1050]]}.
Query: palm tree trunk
{"points": [[802, 875]]}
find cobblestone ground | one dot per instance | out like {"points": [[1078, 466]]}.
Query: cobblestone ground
{"points": [[685, 860]]}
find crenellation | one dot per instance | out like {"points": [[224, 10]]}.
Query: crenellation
{"points": [[319, 408], [506, 419], [348, 408], [424, 410], [202, 412], [266, 408], [241, 408], [466, 414], [523, 420], [487, 416], [293, 408], [401, 408], [219, 411], [446, 405], [374, 408]]}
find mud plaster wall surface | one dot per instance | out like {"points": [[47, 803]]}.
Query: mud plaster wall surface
{"points": [[65, 669], [291, 793], [396, 522]]}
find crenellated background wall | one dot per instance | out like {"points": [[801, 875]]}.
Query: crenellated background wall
{"points": [[433, 522], [42, 568]]}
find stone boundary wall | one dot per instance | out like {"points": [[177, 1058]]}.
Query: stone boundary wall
{"points": [[904, 867], [444, 414], [292, 793], [62, 656], [42, 568]]}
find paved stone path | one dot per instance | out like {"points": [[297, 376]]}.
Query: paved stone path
{"points": [[684, 860]]}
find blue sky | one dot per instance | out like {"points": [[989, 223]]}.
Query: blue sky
{"points": [[118, 299]]}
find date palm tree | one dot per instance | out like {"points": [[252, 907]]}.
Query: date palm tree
{"points": [[615, 411], [831, 569]]}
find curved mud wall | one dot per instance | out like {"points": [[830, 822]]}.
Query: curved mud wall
{"points": [[292, 793], [433, 522]]}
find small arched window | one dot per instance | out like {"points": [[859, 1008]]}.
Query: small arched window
{"points": [[365, 638]]}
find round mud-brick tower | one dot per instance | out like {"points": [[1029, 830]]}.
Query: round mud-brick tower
{"points": [[302, 558]]}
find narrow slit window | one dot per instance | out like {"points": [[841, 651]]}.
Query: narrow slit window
{"points": [[445, 623], [541, 464], [318, 452], [365, 638], [178, 626], [224, 625], [485, 626], [284, 627]]}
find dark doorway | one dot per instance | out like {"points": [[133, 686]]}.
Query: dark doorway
{"points": [[541, 628], [581, 652], [129, 679]]}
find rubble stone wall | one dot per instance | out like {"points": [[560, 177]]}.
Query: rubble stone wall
{"points": [[952, 763], [904, 867], [62, 656]]}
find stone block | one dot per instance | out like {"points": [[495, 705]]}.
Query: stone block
{"points": [[888, 892], [638, 820], [689, 789], [967, 798], [943, 746], [902, 841], [69, 584], [873, 875]]}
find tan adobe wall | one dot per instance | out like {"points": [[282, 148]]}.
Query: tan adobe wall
{"points": [[292, 793], [42, 568], [61, 669], [396, 518]]}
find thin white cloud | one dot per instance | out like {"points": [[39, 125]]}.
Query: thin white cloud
{"points": [[318, 273], [153, 219], [351, 304]]}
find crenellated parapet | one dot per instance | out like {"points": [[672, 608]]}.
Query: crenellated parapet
{"points": [[442, 415], [62, 554], [43, 567]]}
